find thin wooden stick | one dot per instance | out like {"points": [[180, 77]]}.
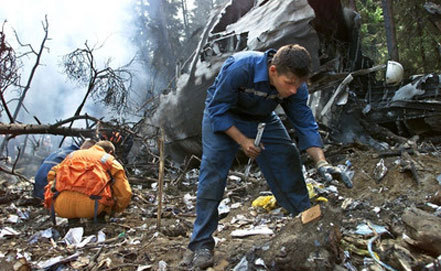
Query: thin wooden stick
{"points": [[161, 177]]}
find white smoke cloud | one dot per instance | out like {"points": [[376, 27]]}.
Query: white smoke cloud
{"points": [[71, 23]]}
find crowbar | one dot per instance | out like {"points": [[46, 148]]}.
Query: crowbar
{"points": [[260, 129]]}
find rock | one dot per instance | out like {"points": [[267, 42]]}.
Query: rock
{"points": [[424, 229]]}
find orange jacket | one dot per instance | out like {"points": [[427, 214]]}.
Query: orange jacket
{"points": [[88, 172]]}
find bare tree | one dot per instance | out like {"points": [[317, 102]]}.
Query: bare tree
{"points": [[36, 64], [108, 85], [26, 88], [185, 15], [8, 71]]}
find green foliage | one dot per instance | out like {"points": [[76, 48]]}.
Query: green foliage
{"points": [[416, 36], [165, 39], [372, 30]]}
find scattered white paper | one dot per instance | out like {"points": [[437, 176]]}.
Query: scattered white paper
{"points": [[144, 267], [74, 236], [8, 231], [13, 219], [259, 230]]}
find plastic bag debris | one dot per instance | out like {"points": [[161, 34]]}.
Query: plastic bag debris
{"points": [[13, 219], [314, 188], [56, 260], [223, 208], [162, 266], [364, 229], [189, 200], [350, 172], [380, 171], [74, 236], [47, 233], [260, 263], [242, 265], [101, 236], [267, 202], [7, 231]]}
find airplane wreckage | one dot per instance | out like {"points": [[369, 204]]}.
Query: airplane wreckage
{"points": [[346, 98]]}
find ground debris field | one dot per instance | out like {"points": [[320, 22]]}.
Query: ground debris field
{"points": [[390, 222]]}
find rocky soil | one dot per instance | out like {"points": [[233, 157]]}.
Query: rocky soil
{"points": [[398, 217]]}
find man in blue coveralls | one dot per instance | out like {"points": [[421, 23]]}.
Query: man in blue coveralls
{"points": [[246, 91], [52, 160]]}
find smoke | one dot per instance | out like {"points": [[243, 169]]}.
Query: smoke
{"points": [[71, 23]]}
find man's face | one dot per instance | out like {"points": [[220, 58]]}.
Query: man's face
{"points": [[286, 84]]}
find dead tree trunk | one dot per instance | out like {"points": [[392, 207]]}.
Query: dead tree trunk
{"points": [[21, 129], [389, 25], [185, 15], [31, 76]]}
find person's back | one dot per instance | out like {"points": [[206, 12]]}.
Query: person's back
{"points": [[82, 185], [52, 160]]}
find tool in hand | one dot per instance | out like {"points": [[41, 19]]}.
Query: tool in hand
{"points": [[260, 129]]}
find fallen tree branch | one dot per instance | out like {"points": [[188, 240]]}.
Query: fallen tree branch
{"points": [[12, 172], [19, 129], [187, 164], [74, 118]]}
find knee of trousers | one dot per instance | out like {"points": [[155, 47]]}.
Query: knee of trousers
{"points": [[212, 180], [275, 154]]}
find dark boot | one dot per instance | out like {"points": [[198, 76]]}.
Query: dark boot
{"points": [[187, 260], [203, 258]]}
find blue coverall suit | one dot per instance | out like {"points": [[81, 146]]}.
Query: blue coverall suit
{"points": [[242, 96], [52, 160]]}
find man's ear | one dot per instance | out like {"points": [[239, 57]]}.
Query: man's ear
{"points": [[272, 69]]}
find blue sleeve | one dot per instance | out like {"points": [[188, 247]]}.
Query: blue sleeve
{"points": [[224, 94], [302, 119]]}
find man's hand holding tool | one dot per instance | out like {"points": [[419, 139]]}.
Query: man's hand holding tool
{"points": [[252, 152]]}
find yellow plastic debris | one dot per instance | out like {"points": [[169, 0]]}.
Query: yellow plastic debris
{"points": [[312, 194], [311, 191], [322, 199], [267, 202]]}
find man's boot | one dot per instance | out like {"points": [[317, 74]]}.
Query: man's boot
{"points": [[203, 258], [187, 260]]}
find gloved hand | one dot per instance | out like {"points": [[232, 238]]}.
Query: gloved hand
{"points": [[329, 172]]}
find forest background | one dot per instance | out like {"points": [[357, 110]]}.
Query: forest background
{"points": [[168, 31]]}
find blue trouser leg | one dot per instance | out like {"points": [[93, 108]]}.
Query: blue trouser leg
{"points": [[279, 162], [281, 166], [218, 151]]}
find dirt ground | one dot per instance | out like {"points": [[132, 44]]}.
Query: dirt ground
{"points": [[134, 242]]}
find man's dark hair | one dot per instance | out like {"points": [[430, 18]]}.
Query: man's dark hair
{"points": [[292, 58]]}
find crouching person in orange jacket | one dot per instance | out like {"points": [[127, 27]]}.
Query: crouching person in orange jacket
{"points": [[87, 183]]}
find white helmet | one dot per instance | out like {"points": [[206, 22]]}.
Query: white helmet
{"points": [[394, 73]]}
